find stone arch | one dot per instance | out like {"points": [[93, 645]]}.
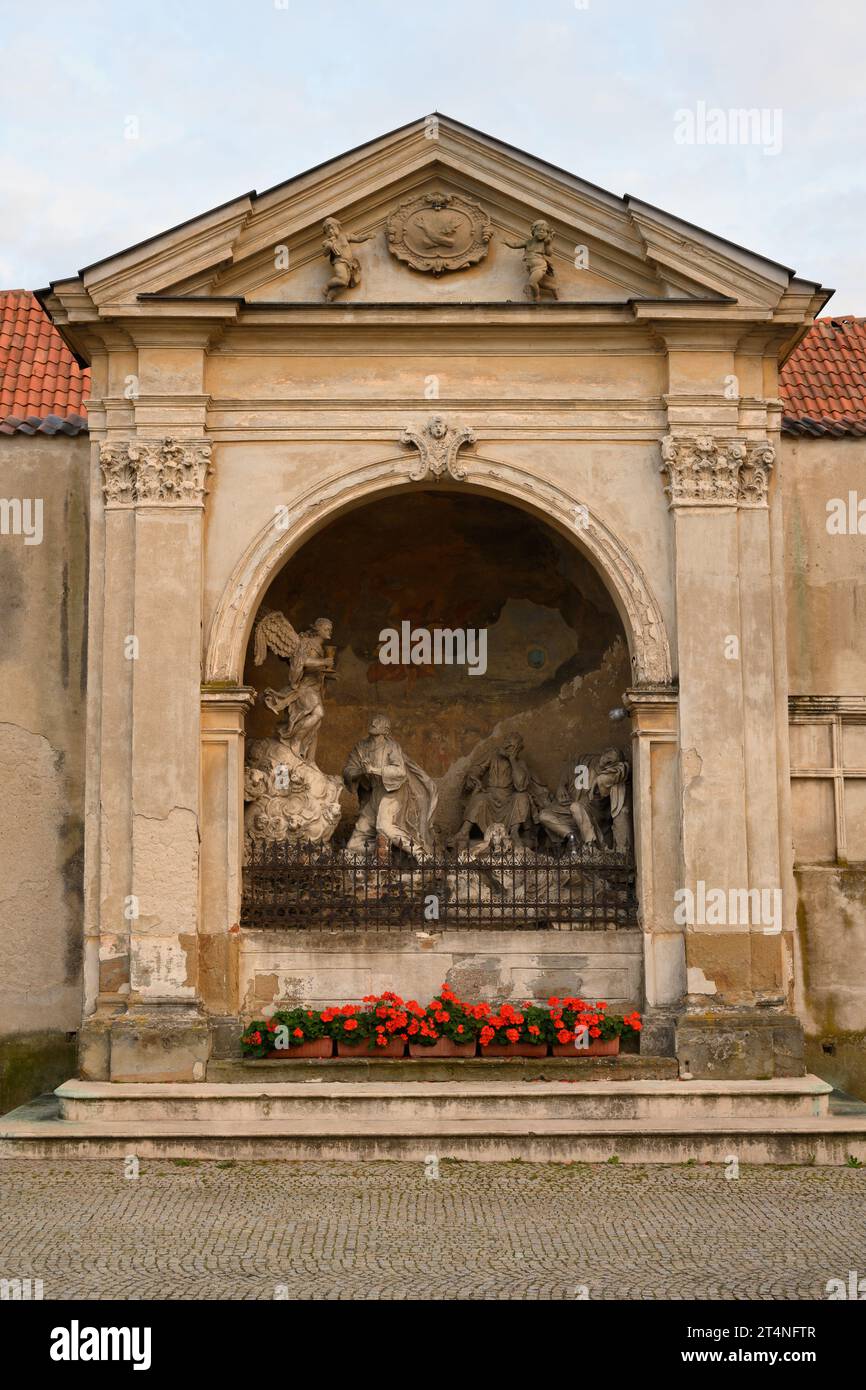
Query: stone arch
{"points": [[276, 542]]}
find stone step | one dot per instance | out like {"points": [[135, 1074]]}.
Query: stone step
{"points": [[426, 1102], [37, 1131], [626, 1067]]}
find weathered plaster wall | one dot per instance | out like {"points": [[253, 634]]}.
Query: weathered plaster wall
{"points": [[43, 633], [831, 929], [338, 967], [826, 574], [826, 582]]}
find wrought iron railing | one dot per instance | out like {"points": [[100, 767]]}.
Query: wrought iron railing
{"points": [[297, 886]]}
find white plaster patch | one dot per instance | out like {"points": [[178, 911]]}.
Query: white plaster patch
{"points": [[698, 982], [165, 868], [158, 969]]}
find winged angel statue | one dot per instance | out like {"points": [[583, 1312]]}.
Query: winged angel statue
{"points": [[289, 796], [311, 663]]}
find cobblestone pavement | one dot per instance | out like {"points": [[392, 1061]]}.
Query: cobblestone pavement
{"points": [[185, 1230]]}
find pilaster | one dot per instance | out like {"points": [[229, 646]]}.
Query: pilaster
{"points": [[154, 491], [223, 716], [655, 783], [731, 899]]}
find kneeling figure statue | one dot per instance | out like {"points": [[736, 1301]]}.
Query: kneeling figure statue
{"points": [[397, 798]]}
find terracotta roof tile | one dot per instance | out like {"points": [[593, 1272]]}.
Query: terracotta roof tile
{"points": [[823, 382], [42, 387]]}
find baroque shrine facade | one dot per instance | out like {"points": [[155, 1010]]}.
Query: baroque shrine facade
{"points": [[437, 382]]}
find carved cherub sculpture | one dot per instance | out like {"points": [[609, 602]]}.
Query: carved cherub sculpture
{"points": [[345, 266], [496, 840], [537, 257]]}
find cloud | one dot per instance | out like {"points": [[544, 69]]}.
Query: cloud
{"points": [[234, 94]]}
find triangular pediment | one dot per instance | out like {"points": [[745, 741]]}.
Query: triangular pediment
{"points": [[267, 248], [409, 271]]}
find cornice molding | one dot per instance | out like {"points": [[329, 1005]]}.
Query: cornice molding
{"points": [[804, 709]]}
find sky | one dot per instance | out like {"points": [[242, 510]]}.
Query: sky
{"points": [[120, 119]]}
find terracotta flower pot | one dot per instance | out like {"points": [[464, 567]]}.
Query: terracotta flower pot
{"points": [[443, 1047], [514, 1050], [394, 1048], [322, 1047], [596, 1048]]}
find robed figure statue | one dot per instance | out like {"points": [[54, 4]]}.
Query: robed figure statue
{"points": [[396, 797]]}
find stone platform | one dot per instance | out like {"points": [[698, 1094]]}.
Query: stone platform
{"points": [[473, 1117], [625, 1067]]}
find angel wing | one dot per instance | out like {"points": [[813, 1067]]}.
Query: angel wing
{"points": [[275, 631]]}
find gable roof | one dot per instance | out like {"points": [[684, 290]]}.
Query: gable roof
{"points": [[222, 262], [421, 125], [42, 387], [823, 382]]}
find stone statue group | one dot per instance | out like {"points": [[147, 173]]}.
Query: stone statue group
{"points": [[290, 799], [345, 267]]}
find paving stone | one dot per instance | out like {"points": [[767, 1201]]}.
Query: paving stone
{"points": [[386, 1231]]}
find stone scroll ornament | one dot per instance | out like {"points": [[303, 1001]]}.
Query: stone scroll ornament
{"points": [[141, 471], [703, 470], [438, 232], [438, 446], [288, 796]]}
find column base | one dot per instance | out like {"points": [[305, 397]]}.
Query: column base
{"points": [[658, 1034], [147, 1042], [739, 1045], [94, 1040]]}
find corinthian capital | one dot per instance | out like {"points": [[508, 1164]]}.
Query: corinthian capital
{"points": [[704, 471], [755, 473], [169, 471]]}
